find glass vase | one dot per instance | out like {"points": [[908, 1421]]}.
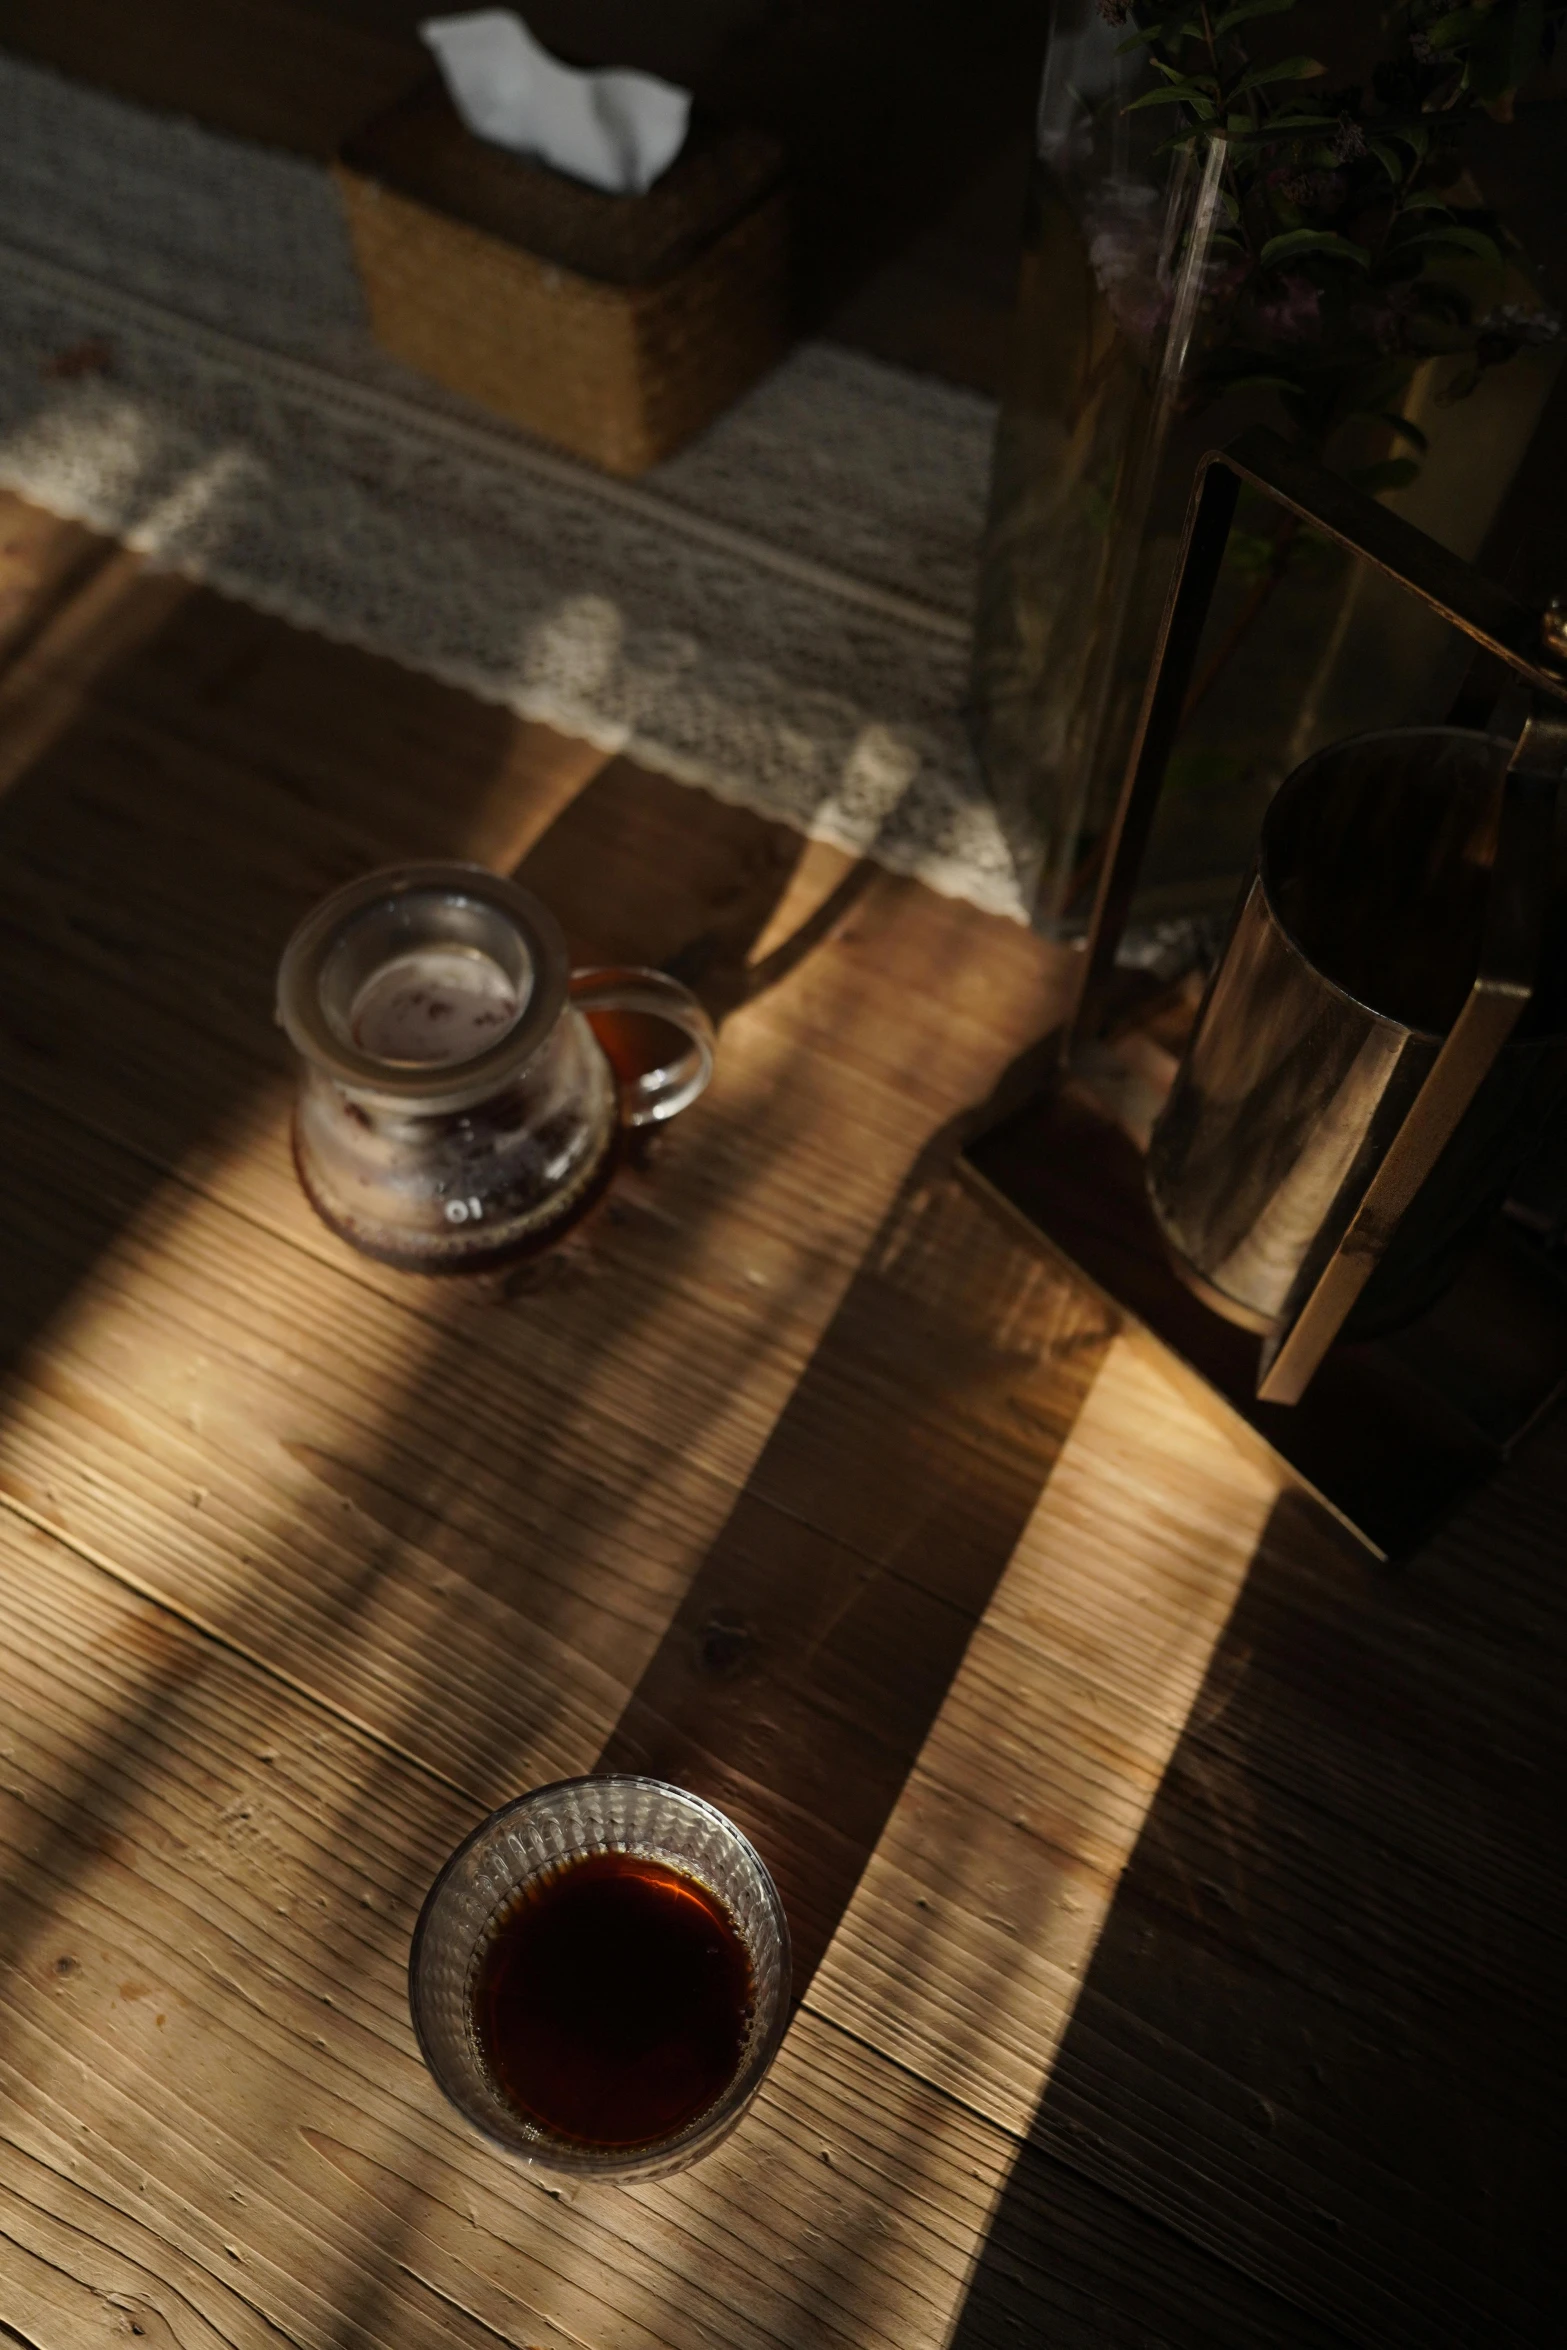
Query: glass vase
{"points": [[1139, 343]]}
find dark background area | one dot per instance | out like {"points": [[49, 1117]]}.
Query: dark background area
{"points": [[906, 121]]}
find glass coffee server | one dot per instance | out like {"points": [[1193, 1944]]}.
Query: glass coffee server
{"points": [[463, 1092]]}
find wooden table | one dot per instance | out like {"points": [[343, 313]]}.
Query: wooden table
{"points": [[1177, 1900]]}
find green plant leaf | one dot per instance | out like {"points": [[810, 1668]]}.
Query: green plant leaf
{"points": [[1284, 126], [1173, 73], [1455, 237], [1388, 159], [1393, 473], [1288, 69], [1416, 138], [1201, 105], [1191, 30], [1312, 240], [1512, 39], [1460, 24], [1426, 200], [1245, 10]]}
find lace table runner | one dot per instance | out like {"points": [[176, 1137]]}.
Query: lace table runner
{"points": [[780, 613]]}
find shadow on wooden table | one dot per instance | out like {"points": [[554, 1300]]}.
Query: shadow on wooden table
{"points": [[191, 776], [385, 1459], [153, 860], [1317, 2057], [815, 1646], [185, 778]]}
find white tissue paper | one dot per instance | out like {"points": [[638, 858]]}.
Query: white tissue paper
{"points": [[615, 130]]}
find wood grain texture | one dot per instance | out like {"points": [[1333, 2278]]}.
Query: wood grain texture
{"points": [[215, 2111], [1178, 1913]]}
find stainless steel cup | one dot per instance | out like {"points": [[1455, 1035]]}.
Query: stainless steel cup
{"points": [[1350, 957]]}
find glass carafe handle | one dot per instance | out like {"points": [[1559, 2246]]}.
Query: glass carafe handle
{"points": [[616, 1000]]}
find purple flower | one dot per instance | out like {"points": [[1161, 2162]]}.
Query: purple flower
{"points": [[1320, 188], [1294, 312], [1114, 12], [1519, 328], [1384, 321]]}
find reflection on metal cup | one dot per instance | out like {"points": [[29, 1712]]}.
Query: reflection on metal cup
{"points": [[1351, 954]]}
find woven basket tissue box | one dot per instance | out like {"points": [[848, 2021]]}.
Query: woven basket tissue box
{"points": [[614, 326]]}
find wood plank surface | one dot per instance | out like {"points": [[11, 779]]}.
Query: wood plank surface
{"points": [[206, 2055], [1176, 1898]]}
